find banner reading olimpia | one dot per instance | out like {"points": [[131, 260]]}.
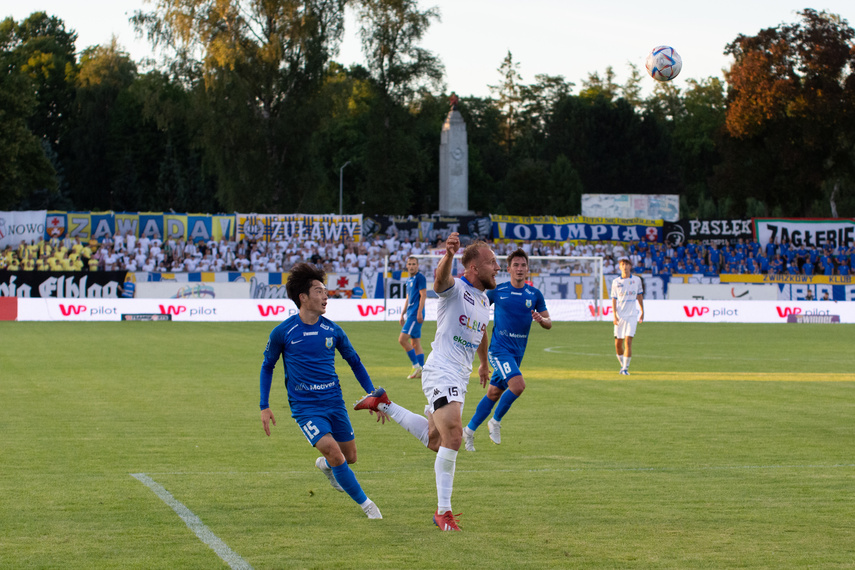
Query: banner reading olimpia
{"points": [[574, 229]]}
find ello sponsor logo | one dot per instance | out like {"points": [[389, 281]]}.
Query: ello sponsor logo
{"points": [[472, 324]]}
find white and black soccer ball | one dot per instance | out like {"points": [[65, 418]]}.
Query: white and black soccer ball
{"points": [[663, 63]]}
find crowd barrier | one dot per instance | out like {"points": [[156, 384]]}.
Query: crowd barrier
{"points": [[276, 310]]}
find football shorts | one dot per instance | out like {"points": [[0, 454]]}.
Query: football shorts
{"points": [[441, 387], [625, 328], [505, 366], [317, 421], [412, 327]]}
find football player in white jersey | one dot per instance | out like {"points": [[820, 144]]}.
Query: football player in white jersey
{"points": [[463, 312], [627, 311]]}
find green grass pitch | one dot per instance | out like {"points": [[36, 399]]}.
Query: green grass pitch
{"points": [[730, 446]]}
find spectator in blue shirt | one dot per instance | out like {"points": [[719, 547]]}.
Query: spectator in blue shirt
{"points": [[771, 249]]}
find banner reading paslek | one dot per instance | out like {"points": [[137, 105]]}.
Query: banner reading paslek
{"points": [[707, 232], [273, 227], [16, 227], [153, 225], [574, 229], [820, 232]]}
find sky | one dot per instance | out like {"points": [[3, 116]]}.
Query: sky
{"points": [[571, 38]]}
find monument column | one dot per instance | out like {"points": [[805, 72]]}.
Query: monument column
{"points": [[454, 164]]}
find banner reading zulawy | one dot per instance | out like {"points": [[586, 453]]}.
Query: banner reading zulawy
{"points": [[817, 232], [574, 229], [272, 227]]}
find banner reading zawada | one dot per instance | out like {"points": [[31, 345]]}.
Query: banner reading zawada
{"points": [[152, 225], [574, 229], [822, 232], [274, 227]]}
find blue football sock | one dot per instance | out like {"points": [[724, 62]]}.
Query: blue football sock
{"points": [[485, 406], [421, 358], [412, 354], [348, 482], [505, 402]]}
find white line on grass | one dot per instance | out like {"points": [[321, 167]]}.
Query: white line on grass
{"points": [[194, 523], [728, 357], [560, 350], [665, 468]]}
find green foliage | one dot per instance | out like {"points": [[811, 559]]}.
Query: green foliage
{"points": [[792, 102], [248, 112], [719, 458]]}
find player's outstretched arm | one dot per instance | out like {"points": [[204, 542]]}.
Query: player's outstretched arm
{"points": [[444, 280]]}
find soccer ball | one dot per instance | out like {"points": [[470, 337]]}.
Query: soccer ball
{"points": [[663, 63]]}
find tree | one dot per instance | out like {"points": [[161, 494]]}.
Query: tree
{"points": [[37, 65], [604, 87], [45, 51], [791, 110], [24, 168], [262, 63], [390, 32], [508, 97], [105, 73], [612, 148]]}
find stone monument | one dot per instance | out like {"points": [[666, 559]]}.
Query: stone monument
{"points": [[454, 164]]}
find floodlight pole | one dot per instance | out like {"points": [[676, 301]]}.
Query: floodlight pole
{"points": [[341, 188]]}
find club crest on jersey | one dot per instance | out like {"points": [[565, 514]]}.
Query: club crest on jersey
{"points": [[528, 303], [329, 342]]}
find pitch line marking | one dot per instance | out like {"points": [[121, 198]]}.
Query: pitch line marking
{"points": [[606, 353], [663, 469], [194, 523]]}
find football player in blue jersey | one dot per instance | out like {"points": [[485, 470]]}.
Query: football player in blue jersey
{"points": [[517, 304], [307, 342], [413, 316]]}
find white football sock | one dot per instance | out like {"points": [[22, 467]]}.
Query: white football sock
{"points": [[621, 359], [627, 359], [446, 459], [413, 423]]}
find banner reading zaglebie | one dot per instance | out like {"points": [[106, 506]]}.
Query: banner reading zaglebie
{"points": [[819, 232]]}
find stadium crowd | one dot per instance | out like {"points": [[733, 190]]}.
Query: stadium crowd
{"points": [[129, 253]]}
